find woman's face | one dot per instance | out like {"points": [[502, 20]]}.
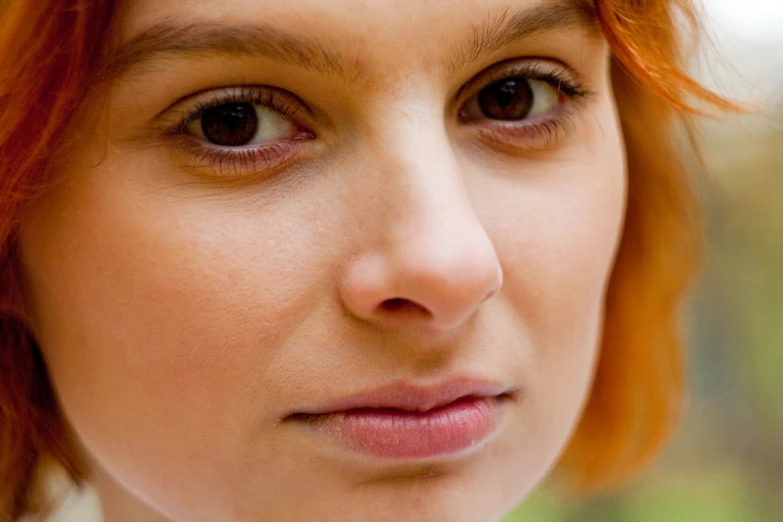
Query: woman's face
{"points": [[331, 260]]}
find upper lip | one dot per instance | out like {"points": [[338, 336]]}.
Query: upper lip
{"points": [[403, 395]]}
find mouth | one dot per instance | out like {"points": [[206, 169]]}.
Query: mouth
{"points": [[402, 421]]}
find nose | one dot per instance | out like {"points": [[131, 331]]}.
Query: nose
{"points": [[429, 262]]}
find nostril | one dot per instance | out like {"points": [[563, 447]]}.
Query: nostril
{"points": [[400, 304]]}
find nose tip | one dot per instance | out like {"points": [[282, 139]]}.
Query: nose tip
{"points": [[422, 288]]}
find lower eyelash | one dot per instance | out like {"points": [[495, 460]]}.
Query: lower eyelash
{"points": [[538, 135], [238, 162]]}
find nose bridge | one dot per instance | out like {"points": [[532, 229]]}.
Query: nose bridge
{"points": [[433, 218], [413, 157], [421, 176], [427, 186]]}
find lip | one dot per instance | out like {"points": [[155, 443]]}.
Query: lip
{"points": [[404, 421], [411, 397]]}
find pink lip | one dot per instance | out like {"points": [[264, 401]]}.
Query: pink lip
{"points": [[405, 421]]}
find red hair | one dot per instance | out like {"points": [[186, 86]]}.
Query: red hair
{"points": [[51, 52]]}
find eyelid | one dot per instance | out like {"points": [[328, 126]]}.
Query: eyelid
{"points": [[542, 69], [186, 110], [533, 133], [241, 162]]}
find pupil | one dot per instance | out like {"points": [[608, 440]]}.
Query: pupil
{"points": [[509, 99], [231, 124]]}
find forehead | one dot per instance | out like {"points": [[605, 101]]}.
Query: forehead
{"points": [[368, 17], [337, 34]]}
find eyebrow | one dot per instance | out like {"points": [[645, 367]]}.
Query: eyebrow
{"points": [[199, 39], [507, 28]]}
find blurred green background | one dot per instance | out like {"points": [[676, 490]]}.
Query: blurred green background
{"points": [[726, 462]]}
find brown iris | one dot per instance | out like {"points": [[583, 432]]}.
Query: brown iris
{"points": [[508, 99], [230, 125]]}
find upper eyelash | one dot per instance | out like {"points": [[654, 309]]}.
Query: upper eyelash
{"points": [[539, 132], [572, 88], [265, 97]]}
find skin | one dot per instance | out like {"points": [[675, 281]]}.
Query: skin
{"points": [[184, 310]]}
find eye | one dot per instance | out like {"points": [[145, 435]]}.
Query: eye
{"points": [[237, 131], [240, 124], [523, 105], [512, 99]]}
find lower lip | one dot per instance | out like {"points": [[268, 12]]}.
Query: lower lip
{"points": [[403, 435]]}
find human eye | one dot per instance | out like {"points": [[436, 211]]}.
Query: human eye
{"points": [[524, 105], [240, 130]]}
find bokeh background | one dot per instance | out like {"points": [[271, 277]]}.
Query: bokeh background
{"points": [[726, 463]]}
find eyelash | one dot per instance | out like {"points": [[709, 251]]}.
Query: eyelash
{"points": [[541, 133], [237, 161]]}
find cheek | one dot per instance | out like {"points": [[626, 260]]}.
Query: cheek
{"points": [[145, 311], [558, 259], [557, 233]]}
